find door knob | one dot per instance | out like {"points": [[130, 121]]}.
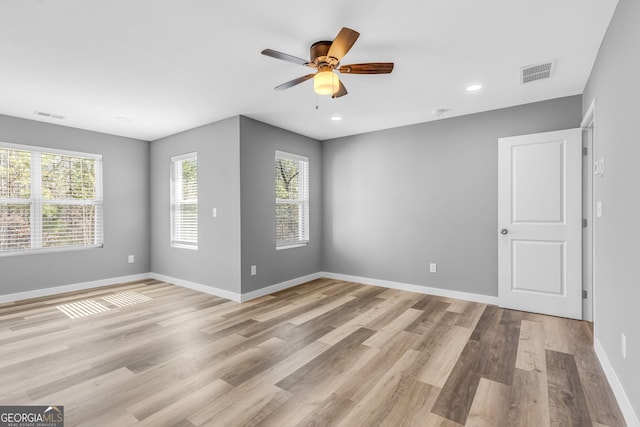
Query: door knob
{"points": [[504, 231]]}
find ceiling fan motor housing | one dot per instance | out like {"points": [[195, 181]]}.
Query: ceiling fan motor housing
{"points": [[319, 51]]}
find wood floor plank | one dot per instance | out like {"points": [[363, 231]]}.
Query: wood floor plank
{"points": [[454, 402], [363, 380], [567, 403], [470, 317], [502, 355], [329, 365], [531, 344], [455, 399], [438, 367], [393, 328], [410, 404], [330, 412], [490, 405], [434, 420], [181, 409], [601, 401], [375, 405], [529, 399], [431, 314]]}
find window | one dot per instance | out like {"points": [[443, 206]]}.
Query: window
{"points": [[49, 199], [292, 200], [184, 201]]}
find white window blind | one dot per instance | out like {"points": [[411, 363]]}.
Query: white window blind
{"points": [[184, 201], [49, 199], [292, 200]]}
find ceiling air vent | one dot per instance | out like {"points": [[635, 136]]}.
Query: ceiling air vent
{"points": [[49, 115], [535, 72]]}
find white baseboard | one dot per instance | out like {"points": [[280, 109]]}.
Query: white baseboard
{"points": [[621, 396], [211, 290], [71, 288], [484, 299], [239, 297], [279, 286]]}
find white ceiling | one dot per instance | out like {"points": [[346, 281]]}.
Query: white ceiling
{"points": [[172, 65]]}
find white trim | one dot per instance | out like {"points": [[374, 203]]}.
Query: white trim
{"points": [[589, 124], [623, 400], [47, 150], [280, 286], [291, 156], [211, 290], [589, 116], [37, 293], [193, 155], [294, 245], [484, 299]]}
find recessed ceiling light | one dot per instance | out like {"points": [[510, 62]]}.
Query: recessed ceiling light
{"points": [[336, 118], [474, 88], [123, 119]]}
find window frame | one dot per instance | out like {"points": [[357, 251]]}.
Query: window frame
{"points": [[174, 221], [302, 202], [36, 200]]}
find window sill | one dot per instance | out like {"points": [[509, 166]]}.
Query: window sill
{"points": [[291, 246], [178, 246]]}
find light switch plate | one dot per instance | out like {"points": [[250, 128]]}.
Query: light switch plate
{"points": [[599, 209]]}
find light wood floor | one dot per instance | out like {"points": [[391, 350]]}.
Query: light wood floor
{"points": [[323, 353]]}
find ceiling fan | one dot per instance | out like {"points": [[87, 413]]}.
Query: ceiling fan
{"points": [[325, 58]]}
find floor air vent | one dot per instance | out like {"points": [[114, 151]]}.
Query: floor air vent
{"points": [[535, 72]]}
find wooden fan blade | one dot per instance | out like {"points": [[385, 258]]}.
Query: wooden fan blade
{"points": [[342, 43], [294, 82], [286, 57], [369, 68], [342, 91]]}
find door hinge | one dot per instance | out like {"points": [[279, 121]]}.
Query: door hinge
{"points": [[584, 151], [584, 294], [584, 223]]}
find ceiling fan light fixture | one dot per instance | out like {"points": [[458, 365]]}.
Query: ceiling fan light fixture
{"points": [[326, 82]]}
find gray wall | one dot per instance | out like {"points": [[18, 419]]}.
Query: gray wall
{"points": [[258, 142], [217, 261], [613, 84], [126, 210], [398, 199]]}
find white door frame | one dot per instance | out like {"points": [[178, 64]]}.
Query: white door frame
{"points": [[588, 124]]}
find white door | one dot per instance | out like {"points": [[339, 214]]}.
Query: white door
{"points": [[540, 223]]}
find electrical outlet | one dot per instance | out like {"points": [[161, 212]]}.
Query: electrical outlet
{"points": [[215, 212], [131, 259], [253, 270], [433, 268], [623, 345]]}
